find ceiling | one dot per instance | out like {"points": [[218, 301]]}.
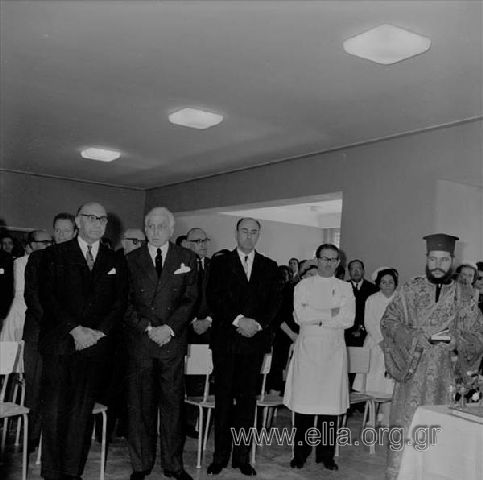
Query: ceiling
{"points": [[107, 73]]}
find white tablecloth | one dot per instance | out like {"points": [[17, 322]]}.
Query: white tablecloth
{"points": [[457, 454]]}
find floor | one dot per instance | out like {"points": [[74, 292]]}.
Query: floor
{"points": [[272, 462]]}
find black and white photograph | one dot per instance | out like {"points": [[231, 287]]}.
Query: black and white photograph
{"points": [[241, 238]]}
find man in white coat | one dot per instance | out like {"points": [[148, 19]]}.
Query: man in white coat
{"points": [[317, 381]]}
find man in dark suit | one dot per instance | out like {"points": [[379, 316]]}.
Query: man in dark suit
{"points": [[162, 293], [199, 332], [64, 230], [244, 297], [83, 294], [362, 289]]}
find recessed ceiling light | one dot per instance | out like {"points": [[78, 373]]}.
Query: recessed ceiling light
{"points": [[100, 154], [387, 44], [194, 118]]}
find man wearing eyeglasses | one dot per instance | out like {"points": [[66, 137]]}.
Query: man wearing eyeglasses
{"points": [[83, 293], [132, 239], [198, 243], [64, 230], [12, 328]]}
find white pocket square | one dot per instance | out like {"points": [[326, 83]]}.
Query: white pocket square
{"points": [[2, 271], [112, 271], [183, 269]]}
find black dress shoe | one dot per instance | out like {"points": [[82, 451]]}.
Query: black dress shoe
{"points": [[139, 475], [329, 464], [294, 463], [181, 475], [245, 468], [215, 468]]}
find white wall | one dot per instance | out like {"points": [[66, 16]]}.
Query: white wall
{"points": [[459, 213], [279, 241]]}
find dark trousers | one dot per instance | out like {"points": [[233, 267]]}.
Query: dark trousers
{"points": [[281, 347], [325, 448], [156, 384], [236, 379], [70, 384], [33, 381]]}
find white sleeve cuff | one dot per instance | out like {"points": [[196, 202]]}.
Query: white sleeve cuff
{"points": [[237, 320]]}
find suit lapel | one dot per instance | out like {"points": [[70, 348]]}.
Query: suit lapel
{"points": [[101, 263], [146, 263], [170, 265], [77, 258], [237, 265], [255, 268]]}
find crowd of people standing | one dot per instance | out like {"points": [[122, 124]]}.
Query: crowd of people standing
{"points": [[88, 313]]}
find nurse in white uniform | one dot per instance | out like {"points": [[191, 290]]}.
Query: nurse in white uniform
{"points": [[317, 382]]}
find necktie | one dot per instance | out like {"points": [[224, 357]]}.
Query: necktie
{"points": [[245, 267], [89, 257], [201, 272], [159, 261]]}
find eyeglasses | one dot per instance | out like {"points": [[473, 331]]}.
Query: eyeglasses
{"points": [[200, 241], [134, 241], [329, 259], [94, 218]]}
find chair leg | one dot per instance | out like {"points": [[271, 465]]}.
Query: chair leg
{"points": [[200, 436], [336, 440], [372, 416], [293, 427], [22, 402], [39, 451], [25, 445], [4, 436], [254, 445], [207, 429], [103, 445]]}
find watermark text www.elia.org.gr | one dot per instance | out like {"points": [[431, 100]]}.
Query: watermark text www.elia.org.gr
{"points": [[421, 437]]}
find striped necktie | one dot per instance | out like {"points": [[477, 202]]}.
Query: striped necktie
{"points": [[89, 257]]}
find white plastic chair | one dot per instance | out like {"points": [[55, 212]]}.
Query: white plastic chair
{"points": [[99, 409], [11, 362], [199, 362], [358, 362], [269, 403]]}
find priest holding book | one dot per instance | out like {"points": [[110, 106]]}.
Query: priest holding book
{"points": [[433, 338]]}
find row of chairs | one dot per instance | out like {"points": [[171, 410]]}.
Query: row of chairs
{"points": [[198, 362]]}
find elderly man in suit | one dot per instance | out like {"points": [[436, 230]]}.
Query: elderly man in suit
{"points": [[83, 294], [162, 293], [244, 297]]}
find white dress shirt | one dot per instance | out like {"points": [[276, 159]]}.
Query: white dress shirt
{"points": [[247, 266], [153, 251], [83, 246]]}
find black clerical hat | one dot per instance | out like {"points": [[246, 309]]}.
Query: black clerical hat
{"points": [[440, 241]]}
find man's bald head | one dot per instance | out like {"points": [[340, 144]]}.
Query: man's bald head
{"points": [[131, 239], [198, 241]]}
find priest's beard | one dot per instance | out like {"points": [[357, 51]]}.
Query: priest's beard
{"points": [[445, 279]]}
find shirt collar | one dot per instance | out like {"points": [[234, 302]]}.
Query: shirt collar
{"points": [[357, 284], [242, 255], [83, 246], [153, 251]]}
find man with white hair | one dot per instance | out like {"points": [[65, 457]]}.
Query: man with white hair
{"points": [[162, 294]]}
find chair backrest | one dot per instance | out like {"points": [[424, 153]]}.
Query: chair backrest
{"points": [[11, 357], [266, 365], [358, 359], [198, 360]]}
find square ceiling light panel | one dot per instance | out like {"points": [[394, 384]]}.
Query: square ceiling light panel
{"points": [[100, 154], [194, 118], [387, 44]]}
